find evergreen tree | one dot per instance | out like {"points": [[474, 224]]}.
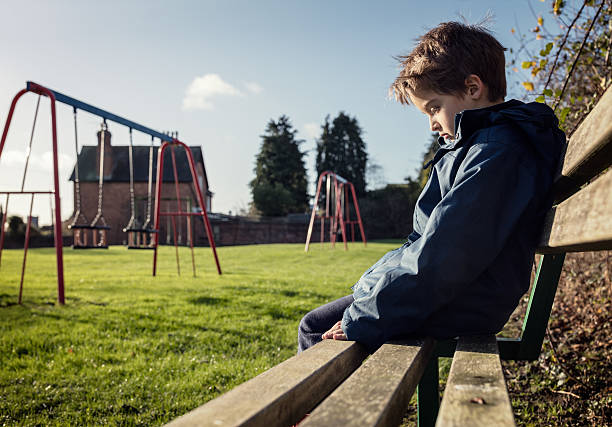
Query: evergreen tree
{"points": [[280, 183], [430, 151], [341, 149]]}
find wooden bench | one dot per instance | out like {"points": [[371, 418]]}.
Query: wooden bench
{"points": [[339, 385]]}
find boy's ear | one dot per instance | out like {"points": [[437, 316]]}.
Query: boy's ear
{"points": [[474, 87]]}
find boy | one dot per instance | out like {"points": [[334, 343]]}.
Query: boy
{"points": [[467, 263]]}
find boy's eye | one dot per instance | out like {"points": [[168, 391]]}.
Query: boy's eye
{"points": [[434, 110]]}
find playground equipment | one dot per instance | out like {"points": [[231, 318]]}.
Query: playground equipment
{"points": [[337, 213], [22, 191], [179, 211], [140, 236], [79, 224]]}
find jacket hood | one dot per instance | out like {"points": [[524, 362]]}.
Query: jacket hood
{"points": [[535, 120]]}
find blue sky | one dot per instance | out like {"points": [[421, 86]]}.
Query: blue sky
{"points": [[217, 72]]}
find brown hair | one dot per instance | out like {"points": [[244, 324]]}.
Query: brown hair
{"points": [[445, 56]]}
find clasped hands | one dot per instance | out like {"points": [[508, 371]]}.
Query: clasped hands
{"points": [[335, 333]]}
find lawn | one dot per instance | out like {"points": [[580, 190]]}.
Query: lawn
{"points": [[132, 349], [129, 348]]}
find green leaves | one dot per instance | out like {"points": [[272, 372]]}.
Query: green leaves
{"points": [[547, 49], [563, 114], [280, 184]]}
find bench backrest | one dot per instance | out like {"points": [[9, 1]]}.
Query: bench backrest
{"points": [[580, 221]]}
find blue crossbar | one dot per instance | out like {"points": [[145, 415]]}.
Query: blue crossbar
{"points": [[60, 97]]}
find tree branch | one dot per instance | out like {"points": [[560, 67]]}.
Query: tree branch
{"points": [[571, 71], [569, 29]]}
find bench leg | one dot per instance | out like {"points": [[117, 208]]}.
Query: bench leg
{"points": [[428, 395]]}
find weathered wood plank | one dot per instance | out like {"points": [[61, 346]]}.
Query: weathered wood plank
{"points": [[284, 393], [583, 222], [377, 394], [476, 393], [589, 151]]}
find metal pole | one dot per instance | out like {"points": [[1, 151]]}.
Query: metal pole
{"points": [[191, 245], [7, 125], [314, 212], [29, 149], [25, 248], [178, 204], [204, 214], [59, 255], [3, 224], [360, 223], [339, 214], [158, 183], [178, 265]]}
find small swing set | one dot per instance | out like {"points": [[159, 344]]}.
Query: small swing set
{"points": [[338, 213], [89, 235], [98, 228], [140, 236]]}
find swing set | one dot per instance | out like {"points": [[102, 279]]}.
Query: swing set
{"points": [[89, 235], [337, 214]]}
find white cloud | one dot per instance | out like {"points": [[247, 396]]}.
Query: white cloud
{"points": [[38, 161], [253, 87], [199, 93], [312, 130]]}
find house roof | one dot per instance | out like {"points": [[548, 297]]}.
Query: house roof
{"points": [[89, 167]]}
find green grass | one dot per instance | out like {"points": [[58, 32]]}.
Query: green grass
{"points": [[132, 349]]}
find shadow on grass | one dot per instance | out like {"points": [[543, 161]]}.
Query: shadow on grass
{"points": [[205, 300], [7, 300]]}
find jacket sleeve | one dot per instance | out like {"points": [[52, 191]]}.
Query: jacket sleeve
{"points": [[466, 230]]}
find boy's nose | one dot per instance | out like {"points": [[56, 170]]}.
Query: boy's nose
{"points": [[434, 125]]}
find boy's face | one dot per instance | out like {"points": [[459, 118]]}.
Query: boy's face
{"points": [[441, 109]]}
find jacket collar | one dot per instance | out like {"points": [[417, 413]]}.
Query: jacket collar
{"points": [[467, 122]]}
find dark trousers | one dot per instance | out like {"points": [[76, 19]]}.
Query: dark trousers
{"points": [[320, 320]]}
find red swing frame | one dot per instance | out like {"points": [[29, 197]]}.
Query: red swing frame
{"points": [[179, 212], [57, 220], [342, 204]]}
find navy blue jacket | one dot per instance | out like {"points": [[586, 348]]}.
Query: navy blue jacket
{"points": [[467, 263]]}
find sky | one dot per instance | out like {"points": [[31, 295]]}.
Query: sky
{"points": [[217, 72]]}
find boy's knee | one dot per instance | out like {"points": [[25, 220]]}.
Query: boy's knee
{"points": [[305, 325]]}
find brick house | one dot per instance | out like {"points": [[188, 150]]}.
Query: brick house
{"points": [[116, 189]]}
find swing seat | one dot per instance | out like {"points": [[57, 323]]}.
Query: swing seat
{"points": [[140, 238], [80, 241]]}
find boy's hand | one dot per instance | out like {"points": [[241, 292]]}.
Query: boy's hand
{"points": [[335, 333]]}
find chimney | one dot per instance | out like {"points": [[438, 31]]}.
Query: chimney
{"points": [[108, 153]]}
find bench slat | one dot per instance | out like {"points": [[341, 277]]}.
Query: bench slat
{"points": [[284, 393], [378, 393], [476, 393], [583, 222], [589, 150]]}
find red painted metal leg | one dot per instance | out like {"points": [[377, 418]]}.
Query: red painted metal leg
{"points": [[178, 205], [359, 222], [191, 245], [340, 216], [178, 265], [314, 213], [322, 230], [194, 175], [59, 254], [158, 187]]}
